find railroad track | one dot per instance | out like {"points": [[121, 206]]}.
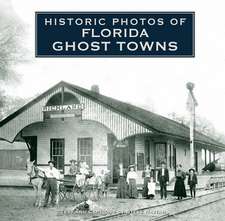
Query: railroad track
{"points": [[176, 207], [187, 210]]}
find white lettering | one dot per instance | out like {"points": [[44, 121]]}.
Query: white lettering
{"points": [[57, 46]]}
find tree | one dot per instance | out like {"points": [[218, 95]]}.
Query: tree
{"points": [[202, 125], [11, 104], [12, 52], [12, 34]]}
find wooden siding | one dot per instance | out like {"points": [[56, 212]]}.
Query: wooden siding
{"points": [[33, 114], [13, 159], [120, 125]]}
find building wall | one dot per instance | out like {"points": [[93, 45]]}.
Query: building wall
{"points": [[13, 155], [183, 155], [70, 129], [4, 145]]}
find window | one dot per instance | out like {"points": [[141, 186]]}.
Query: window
{"points": [[57, 153], [85, 146], [140, 161]]}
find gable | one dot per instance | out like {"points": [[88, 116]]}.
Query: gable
{"points": [[120, 125]]}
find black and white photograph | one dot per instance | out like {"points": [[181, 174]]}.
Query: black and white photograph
{"points": [[112, 110]]}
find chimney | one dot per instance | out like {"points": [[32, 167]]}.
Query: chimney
{"points": [[95, 88]]}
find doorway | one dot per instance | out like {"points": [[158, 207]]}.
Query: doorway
{"points": [[31, 142], [125, 154]]}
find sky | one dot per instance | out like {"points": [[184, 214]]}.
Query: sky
{"points": [[158, 84]]}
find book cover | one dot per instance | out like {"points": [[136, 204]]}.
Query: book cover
{"points": [[112, 110]]}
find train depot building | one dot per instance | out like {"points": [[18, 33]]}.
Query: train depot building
{"points": [[69, 122]]}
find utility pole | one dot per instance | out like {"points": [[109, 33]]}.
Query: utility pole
{"points": [[191, 104]]}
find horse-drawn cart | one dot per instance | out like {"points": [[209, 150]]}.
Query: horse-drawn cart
{"points": [[66, 187], [78, 187]]}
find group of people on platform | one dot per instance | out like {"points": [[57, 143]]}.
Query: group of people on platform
{"points": [[127, 187], [127, 181]]}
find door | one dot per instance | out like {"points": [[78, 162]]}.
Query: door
{"points": [[31, 142], [124, 154], [57, 153], [147, 152], [120, 154], [160, 154]]}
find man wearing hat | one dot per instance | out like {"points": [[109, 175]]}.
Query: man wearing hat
{"points": [[52, 175], [192, 181], [163, 179]]}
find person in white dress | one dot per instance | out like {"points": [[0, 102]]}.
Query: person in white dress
{"points": [[151, 188]]}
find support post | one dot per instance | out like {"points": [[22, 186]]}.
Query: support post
{"points": [[191, 104], [192, 133]]}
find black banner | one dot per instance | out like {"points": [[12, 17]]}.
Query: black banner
{"points": [[115, 34]]}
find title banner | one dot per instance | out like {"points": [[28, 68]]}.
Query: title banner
{"points": [[114, 34]]}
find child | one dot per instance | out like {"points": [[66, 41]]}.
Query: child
{"points": [[192, 181], [151, 188]]}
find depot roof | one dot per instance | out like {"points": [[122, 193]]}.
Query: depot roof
{"points": [[157, 123]]}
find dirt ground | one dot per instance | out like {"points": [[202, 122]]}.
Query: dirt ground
{"points": [[17, 204]]}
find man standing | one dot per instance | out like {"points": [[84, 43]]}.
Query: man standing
{"points": [[163, 179], [52, 175]]}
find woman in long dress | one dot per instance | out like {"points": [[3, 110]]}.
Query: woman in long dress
{"points": [[122, 185], [179, 188], [131, 179], [147, 173]]}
